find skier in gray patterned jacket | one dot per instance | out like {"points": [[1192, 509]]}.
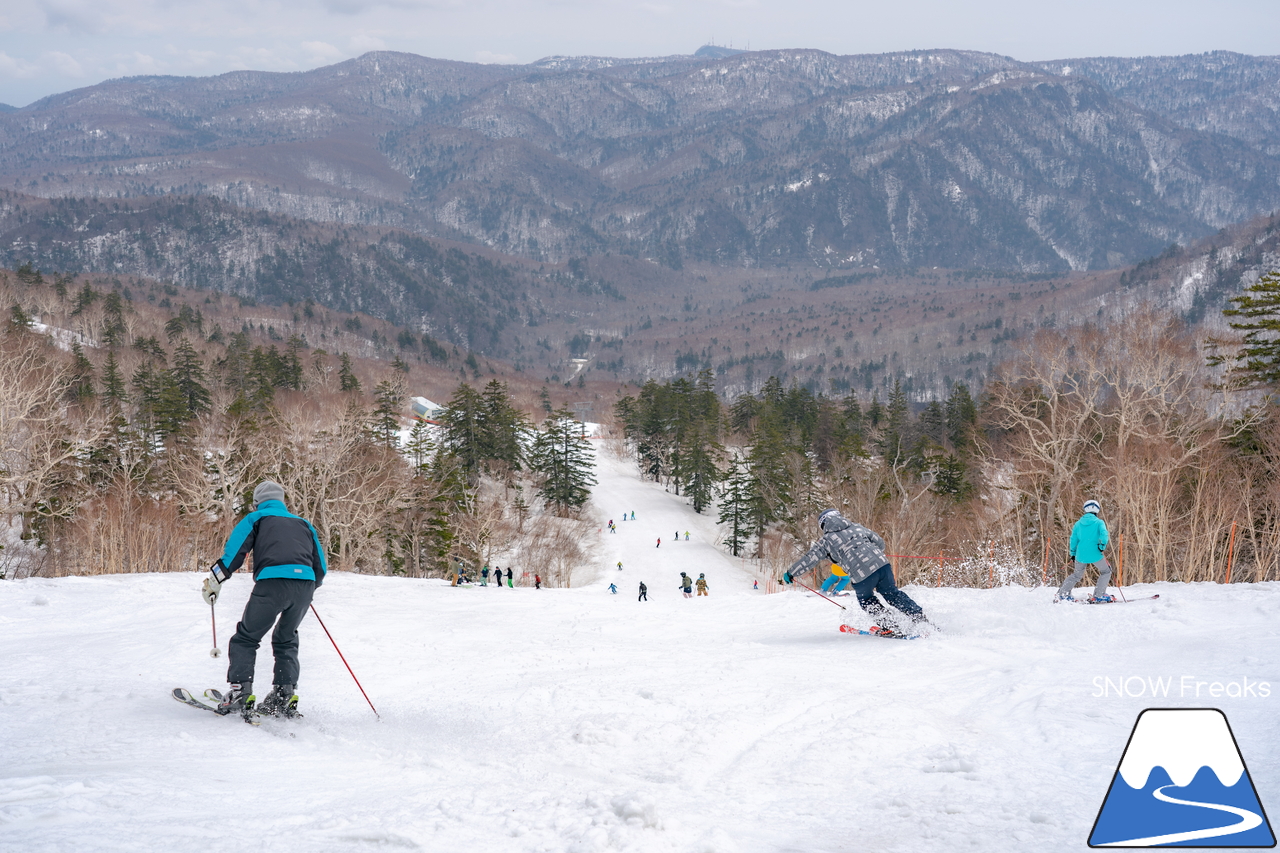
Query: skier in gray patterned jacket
{"points": [[860, 553]]}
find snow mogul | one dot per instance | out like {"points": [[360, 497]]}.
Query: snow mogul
{"points": [[288, 567], [860, 554]]}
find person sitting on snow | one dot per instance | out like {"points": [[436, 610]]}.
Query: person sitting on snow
{"points": [[1088, 541], [861, 554]]}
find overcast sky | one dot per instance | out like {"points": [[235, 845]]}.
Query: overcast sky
{"points": [[49, 46]]}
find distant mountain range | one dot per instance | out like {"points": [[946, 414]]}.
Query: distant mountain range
{"points": [[918, 159]]}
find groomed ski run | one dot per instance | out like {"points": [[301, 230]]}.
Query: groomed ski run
{"points": [[523, 721]]}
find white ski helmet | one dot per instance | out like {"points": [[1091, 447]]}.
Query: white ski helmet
{"points": [[1092, 506]]}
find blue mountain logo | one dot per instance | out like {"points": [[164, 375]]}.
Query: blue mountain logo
{"points": [[1182, 783]]}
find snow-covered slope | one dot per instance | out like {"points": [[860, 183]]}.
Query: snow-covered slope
{"points": [[576, 720]]}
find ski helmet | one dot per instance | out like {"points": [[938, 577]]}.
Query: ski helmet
{"points": [[1092, 506], [825, 515]]}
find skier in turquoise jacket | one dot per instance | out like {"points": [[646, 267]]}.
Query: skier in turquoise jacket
{"points": [[1088, 541], [288, 567]]}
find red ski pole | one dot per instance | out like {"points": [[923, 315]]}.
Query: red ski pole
{"points": [[820, 595], [344, 663]]}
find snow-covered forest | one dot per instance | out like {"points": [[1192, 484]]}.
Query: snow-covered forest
{"points": [[133, 436]]}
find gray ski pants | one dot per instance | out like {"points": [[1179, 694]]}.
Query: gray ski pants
{"points": [[272, 597], [1099, 589]]}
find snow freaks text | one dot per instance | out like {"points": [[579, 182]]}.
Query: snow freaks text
{"points": [[1183, 687]]}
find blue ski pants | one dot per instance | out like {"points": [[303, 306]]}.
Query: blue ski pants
{"points": [[881, 581], [837, 581]]}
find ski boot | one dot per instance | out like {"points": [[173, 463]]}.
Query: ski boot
{"points": [[1101, 599], [239, 699], [282, 701], [1060, 597]]}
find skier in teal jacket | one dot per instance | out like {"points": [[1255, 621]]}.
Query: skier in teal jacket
{"points": [[288, 567], [1088, 541]]}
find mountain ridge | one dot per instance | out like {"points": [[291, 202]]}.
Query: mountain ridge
{"points": [[917, 158]]}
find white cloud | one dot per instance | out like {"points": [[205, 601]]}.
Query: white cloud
{"points": [[16, 68], [65, 64], [488, 57], [365, 42], [73, 16], [321, 52]]}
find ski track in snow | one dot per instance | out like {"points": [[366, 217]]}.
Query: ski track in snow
{"points": [[576, 720]]}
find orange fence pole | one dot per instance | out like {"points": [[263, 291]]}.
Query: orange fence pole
{"points": [[1231, 550], [1044, 567], [991, 573], [939, 568]]}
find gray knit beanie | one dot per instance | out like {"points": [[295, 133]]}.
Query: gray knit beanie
{"points": [[268, 490]]}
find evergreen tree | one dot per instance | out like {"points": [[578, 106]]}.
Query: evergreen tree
{"points": [[19, 317], [86, 297], [895, 438], [701, 472], [559, 457], [386, 415], [347, 380], [962, 418], [291, 364], [113, 330], [420, 448], [113, 388], [1259, 310], [770, 497], [463, 430], [504, 426], [80, 381], [189, 379], [735, 508], [235, 366]]}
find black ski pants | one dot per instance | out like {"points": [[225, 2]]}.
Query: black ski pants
{"points": [[881, 581], [285, 598]]}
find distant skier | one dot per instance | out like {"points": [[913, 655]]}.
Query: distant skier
{"points": [[510, 583], [1088, 541], [677, 535], [537, 581], [686, 536], [686, 585], [755, 585], [613, 589], [288, 567], [644, 592], [484, 575], [860, 553], [659, 545], [838, 579], [702, 584], [633, 515], [619, 565]]}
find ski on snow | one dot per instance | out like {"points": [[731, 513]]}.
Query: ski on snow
{"points": [[184, 696], [1116, 601], [877, 631]]}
